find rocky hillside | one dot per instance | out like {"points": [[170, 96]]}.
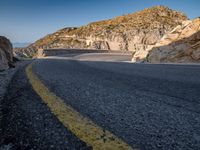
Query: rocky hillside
{"points": [[24, 52], [181, 45], [130, 32], [6, 53]]}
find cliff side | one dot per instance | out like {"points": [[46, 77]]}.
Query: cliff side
{"points": [[6, 53], [181, 45]]}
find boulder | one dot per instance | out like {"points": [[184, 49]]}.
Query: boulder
{"points": [[6, 53]]}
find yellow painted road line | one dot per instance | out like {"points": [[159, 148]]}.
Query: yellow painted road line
{"points": [[82, 127]]}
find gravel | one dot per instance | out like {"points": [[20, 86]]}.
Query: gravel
{"points": [[5, 78], [28, 123]]}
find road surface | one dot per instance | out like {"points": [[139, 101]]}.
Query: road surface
{"points": [[146, 106]]}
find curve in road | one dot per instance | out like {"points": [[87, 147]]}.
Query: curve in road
{"points": [[82, 127]]}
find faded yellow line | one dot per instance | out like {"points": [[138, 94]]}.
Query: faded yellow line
{"points": [[82, 127]]}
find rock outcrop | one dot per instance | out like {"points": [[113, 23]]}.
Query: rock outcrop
{"points": [[24, 52], [181, 45], [6, 53], [132, 32]]}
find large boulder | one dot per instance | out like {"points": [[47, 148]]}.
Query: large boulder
{"points": [[181, 45], [3, 60], [6, 53]]}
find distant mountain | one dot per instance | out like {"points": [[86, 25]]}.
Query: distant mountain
{"points": [[20, 45], [131, 32]]}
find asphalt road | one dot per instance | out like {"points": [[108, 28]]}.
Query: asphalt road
{"points": [[148, 106]]}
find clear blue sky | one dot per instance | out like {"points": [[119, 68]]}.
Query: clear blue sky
{"points": [[29, 20]]}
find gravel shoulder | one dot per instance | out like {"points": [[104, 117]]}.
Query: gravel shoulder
{"points": [[6, 76], [5, 79], [27, 123]]}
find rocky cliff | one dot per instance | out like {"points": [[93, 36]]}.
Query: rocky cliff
{"points": [[24, 52], [181, 45], [6, 53], [132, 32]]}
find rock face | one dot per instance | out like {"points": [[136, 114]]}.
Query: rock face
{"points": [[181, 45], [24, 52], [132, 32], [6, 53]]}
